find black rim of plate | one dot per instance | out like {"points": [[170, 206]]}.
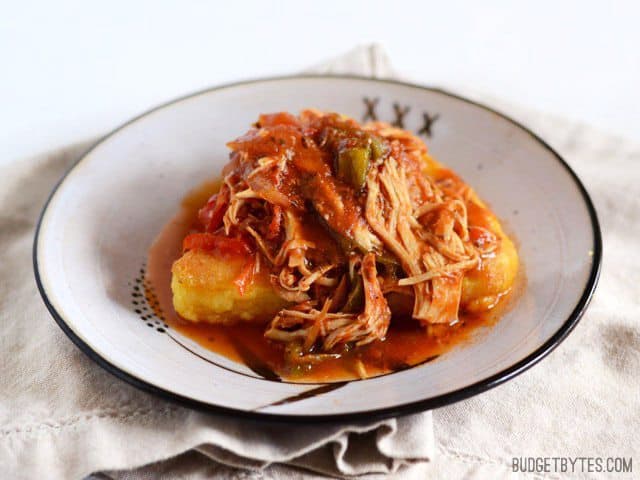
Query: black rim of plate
{"points": [[383, 413]]}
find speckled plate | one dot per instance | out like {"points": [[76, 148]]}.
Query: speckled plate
{"points": [[96, 228]]}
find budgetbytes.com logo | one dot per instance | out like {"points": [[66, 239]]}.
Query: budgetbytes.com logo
{"points": [[572, 464]]}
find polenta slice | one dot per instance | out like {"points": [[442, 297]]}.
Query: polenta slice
{"points": [[205, 289]]}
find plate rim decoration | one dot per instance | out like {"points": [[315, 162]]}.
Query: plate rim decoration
{"points": [[374, 414]]}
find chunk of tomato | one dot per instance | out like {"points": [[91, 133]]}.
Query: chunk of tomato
{"points": [[280, 118], [216, 243]]}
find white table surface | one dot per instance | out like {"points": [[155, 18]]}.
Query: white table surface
{"points": [[70, 70]]}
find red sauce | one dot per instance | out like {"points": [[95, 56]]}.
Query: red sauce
{"points": [[406, 344]]}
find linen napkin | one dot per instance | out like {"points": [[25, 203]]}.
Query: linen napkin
{"points": [[62, 416]]}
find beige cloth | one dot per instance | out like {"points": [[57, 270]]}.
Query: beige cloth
{"points": [[62, 416]]}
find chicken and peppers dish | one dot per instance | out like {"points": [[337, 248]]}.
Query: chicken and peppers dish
{"points": [[334, 250]]}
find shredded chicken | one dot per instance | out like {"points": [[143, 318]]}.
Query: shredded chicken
{"points": [[430, 238], [373, 322], [397, 216], [337, 328]]}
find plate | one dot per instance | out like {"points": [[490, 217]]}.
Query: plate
{"points": [[95, 230]]}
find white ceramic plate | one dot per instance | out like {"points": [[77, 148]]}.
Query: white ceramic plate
{"points": [[95, 230]]}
